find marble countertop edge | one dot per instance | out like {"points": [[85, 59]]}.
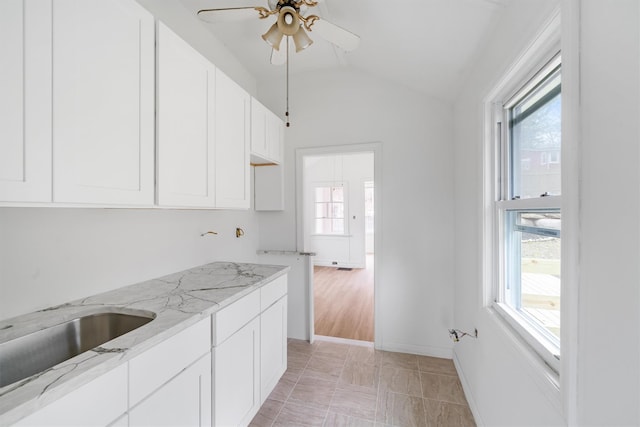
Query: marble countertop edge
{"points": [[179, 300]]}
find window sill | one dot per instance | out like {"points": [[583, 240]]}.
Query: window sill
{"points": [[545, 350]]}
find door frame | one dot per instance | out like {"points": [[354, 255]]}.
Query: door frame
{"points": [[370, 147]]}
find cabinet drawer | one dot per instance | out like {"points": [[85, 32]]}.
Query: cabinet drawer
{"points": [[97, 403], [272, 292], [184, 401], [159, 364], [230, 319]]}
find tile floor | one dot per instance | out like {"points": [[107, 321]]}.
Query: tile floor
{"points": [[331, 384]]}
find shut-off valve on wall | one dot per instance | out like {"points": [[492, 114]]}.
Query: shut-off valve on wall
{"points": [[456, 334]]}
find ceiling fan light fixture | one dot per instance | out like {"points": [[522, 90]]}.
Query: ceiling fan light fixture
{"points": [[273, 37], [288, 21], [302, 40]]}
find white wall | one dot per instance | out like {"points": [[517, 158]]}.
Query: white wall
{"points": [[49, 256], [602, 372], [609, 305], [416, 247], [501, 387]]}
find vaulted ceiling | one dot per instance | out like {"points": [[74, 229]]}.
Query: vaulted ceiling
{"points": [[427, 45]]}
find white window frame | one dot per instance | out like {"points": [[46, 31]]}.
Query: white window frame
{"points": [[345, 203], [510, 90]]}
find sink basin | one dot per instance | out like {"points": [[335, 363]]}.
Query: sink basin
{"points": [[30, 354]]}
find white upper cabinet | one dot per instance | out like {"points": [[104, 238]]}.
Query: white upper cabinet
{"points": [[275, 137], [203, 130], [186, 124], [259, 150], [233, 131], [267, 134], [83, 120], [103, 102], [25, 101], [267, 131]]}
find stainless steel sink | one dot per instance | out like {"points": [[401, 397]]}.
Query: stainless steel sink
{"points": [[30, 354]]}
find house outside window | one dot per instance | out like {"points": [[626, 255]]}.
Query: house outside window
{"points": [[527, 211]]}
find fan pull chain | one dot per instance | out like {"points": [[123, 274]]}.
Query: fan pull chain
{"points": [[287, 112]]}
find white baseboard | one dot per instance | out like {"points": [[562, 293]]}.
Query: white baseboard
{"points": [[343, 341], [442, 352], [467, 392], [322, 263]]}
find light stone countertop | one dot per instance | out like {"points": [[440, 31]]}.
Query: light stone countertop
{"points": [[179, 300]]}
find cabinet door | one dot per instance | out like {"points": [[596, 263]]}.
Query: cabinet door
{"points": [[183, 401], [232, 144], [236, 370], [103, 102], [25, 101], [273, 346], [258, 131], [186, 124], [275, 135], [97, 403]]}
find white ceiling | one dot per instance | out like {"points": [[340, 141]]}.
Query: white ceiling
{"points": [[427, 45]]}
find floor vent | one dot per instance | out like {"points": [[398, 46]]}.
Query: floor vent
{"points": [[344, 269]]}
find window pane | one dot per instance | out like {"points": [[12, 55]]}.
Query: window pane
{"points": [[323, 194], [338, 226], [338, 194], [548, 220], [337, 210], [322, 210], [323, 226], [533, 268], [535, 141]]}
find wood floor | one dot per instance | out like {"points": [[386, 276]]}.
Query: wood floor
{"points": [[343, 302]]}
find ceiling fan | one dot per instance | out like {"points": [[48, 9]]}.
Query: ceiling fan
{"points": [[291, 21]]}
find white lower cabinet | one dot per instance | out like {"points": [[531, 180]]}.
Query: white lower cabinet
{"points": [[153, 368], [184, 401], [236, 377], [97, 403], [249, 353], [216, 372], [273, 346], [170, 384]]}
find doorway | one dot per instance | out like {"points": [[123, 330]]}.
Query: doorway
{"points": [[338, 197]]}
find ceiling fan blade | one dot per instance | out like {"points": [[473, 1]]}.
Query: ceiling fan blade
{"points": [[279, 57], [336, 35], [229, 14]]}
